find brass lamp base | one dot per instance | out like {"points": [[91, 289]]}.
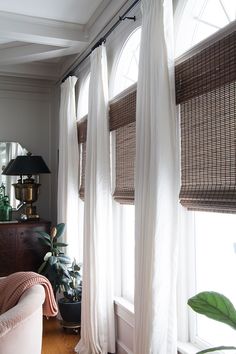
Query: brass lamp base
{"points": [[30, 211], [27, 192]]}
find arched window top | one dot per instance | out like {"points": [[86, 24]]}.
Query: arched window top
{"points": [[200, 19], [126, 73], [83, 98]]}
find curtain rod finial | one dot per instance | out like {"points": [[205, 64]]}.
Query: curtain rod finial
{"points": [[127, 18]]}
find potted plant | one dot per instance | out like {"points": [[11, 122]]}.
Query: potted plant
{"points": [[63, 274], [217, 307]]}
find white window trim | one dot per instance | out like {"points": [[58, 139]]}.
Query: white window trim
{"points": [[125, 310], [187, 348]]}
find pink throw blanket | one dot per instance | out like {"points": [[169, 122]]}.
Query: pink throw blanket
{"points": [[14, 285]]}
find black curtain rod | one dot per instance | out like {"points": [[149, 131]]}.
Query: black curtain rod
{"points": [[104, 37]]}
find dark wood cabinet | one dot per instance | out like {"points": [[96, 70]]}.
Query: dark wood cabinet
{"points": [[20, 249]]}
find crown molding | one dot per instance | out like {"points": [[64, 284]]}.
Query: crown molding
{"points": [[43, 71]]}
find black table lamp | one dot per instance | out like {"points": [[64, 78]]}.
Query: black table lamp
{"points": [[27, 190]]}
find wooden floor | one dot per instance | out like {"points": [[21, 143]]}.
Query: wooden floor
{"points": [[56, 340]]}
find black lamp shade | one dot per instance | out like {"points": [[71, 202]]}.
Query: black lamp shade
{"points": [[26, 165]]}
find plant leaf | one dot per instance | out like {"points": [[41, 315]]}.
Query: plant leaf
{"points": [[64, 259], [44, 235], [60, 244], [44, 241], [52, 260], [215, 349], [214, 305], [42, 267], [60, 229]]}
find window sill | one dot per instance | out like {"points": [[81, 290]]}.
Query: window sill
{"points": [[125, 310], [187, 348]]}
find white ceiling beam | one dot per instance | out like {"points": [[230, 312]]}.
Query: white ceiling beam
{"points": [[41, 31], [34, 52]]}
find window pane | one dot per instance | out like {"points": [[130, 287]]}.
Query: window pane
{"points": [[83, 98], [215, 237], [202, 18], [127, 67], [127, 252]]}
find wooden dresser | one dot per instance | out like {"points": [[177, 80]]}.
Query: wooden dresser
{"points": [[20, 249]]}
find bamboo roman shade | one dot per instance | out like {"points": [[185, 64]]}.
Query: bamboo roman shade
{"points": [[122, 121], [82, 135], [206, 92]]}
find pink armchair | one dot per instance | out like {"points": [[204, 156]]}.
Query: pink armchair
{"points": [[22, 324]]}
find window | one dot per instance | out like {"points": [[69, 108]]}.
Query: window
{"points": [[200, 19], [83, 98], [210, 257], [122, 126], [127, 251], [215, 240], [127, 67], [122, 122], [82, 111]]}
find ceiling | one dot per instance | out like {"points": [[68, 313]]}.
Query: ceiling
{"points": [[42, 38]]}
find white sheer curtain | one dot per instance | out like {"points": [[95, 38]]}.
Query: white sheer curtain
{"points": [[67, 209], [97, 332], [156, 186]]}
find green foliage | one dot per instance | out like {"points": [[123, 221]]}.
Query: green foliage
{"points": [[217, 307], [63, 274], [215, 349]]}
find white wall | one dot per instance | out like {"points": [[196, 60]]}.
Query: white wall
{"points": [[27, 113]]}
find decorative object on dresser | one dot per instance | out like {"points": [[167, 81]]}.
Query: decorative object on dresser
{"points": [[27, 190], [19, 246], [5, 207]]}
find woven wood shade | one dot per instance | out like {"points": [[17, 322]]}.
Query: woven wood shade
{"points": [[82, 130], [125, 158], [206, 91], [122, 119], [123, 111], [82, 136], [82, 174], [211, 68]]}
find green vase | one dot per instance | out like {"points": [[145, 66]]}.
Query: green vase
{"points": [[5, 209]]}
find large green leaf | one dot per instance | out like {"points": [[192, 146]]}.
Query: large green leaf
{"points": [[43, 241], [60, 229], [215, 349], [44, 235], [52, 260], [215, 306], [60, 244], [64, 259]]}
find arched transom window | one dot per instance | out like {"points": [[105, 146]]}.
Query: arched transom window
{"points": [[200, 19], [83, 98], [127, 66]]}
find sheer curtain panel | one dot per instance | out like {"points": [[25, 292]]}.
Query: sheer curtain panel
{"points": [[97, 332], [156, 186], [68, 165]]}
